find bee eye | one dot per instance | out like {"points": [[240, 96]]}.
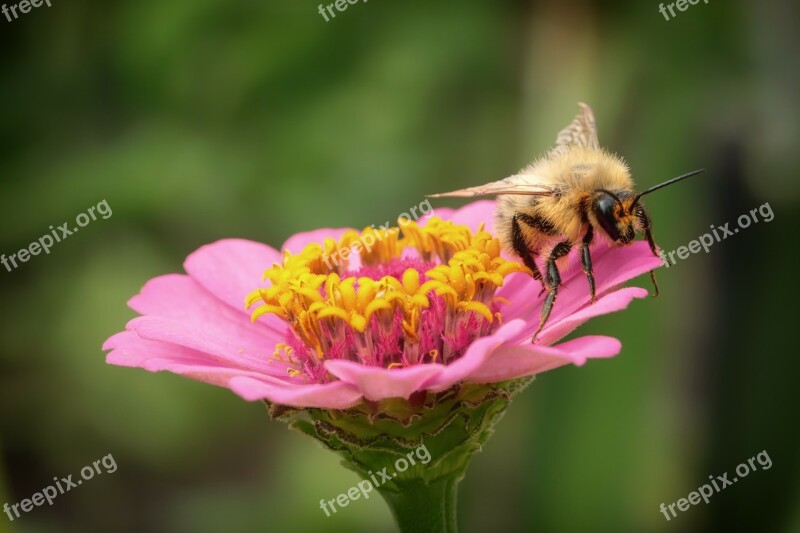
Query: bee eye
{"points": [[604, 211]]}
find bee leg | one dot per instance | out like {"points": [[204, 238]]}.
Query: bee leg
{"points": [[521, 247], [586, 260], [647, 228], [553, 281], [543, 289]]}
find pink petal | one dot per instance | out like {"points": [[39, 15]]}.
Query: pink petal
{"points": [[130, 350], [478, 362], [298, 241], [334, 395], [475, 213], [248, 350], [522, 291], [231, 268], [475, 356], [182, 298], [610, 303], [510, 362], [612, 267], [377, 383], [445, 213], [558, 329], [133, 351]]}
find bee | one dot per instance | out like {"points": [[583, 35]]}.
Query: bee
{"points": [[564, 200]]}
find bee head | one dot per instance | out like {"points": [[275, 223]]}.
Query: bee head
{"points": [[611, 215]]}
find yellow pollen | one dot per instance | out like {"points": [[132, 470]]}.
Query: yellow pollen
{"points": [[317, 297]]}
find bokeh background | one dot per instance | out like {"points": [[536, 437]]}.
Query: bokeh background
{"points": [[197, 120]]}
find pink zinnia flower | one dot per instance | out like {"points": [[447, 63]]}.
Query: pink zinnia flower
{"points": [[434, 307]]}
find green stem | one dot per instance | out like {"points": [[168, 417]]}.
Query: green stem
{"points": [[421, 507]]}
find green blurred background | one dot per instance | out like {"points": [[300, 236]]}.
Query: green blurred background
{"points": [[198, 120]]}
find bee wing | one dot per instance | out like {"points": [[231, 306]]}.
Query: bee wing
{"points": [[521, 184], [582, 131]]}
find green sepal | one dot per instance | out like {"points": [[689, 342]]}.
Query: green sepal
{"points": [[371, 437]]}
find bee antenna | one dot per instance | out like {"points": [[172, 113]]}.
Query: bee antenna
{"points": [[664, 184]]}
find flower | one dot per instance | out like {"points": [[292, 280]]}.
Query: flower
{"points": [[378, 342], [393, 314]]}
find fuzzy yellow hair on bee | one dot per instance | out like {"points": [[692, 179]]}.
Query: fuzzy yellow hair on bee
{"points": [[562, 200]]}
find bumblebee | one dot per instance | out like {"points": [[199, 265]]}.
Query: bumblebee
{"points": [[564, 200]]}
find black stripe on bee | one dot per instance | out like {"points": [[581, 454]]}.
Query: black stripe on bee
{"points": [[583, 208], [537, 222]]}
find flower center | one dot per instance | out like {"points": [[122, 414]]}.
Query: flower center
{"points": [[386, 298]]}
